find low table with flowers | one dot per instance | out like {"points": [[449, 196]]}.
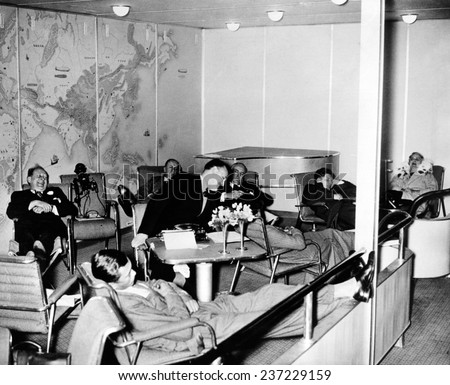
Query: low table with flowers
{"points": [[210, 251]]}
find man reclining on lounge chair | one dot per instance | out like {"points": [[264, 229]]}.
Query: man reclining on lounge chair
{"points": [[151, 304]]}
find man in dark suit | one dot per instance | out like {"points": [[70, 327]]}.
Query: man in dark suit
{"points": [[189, 198], [337, 197], [38, 213], [239, 188]]}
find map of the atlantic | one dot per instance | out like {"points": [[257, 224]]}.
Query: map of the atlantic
{"points": [[87, 87]]}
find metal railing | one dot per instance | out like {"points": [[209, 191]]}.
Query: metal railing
{"points": [[392, 225]]}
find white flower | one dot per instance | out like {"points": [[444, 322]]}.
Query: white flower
{"points": [[223, 216]]}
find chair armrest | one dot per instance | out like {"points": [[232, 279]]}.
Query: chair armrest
{"points": [[170, 327], [315, 204], [111, 204], [61, 290], [309, 242]]}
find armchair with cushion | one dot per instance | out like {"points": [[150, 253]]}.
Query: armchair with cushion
{"points": [[272, 265], [429, 238], [60, 245], [129, 347], [98, 216], [24, 305]]}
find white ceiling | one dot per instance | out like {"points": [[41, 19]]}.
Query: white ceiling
{"points": [[249, 13]]}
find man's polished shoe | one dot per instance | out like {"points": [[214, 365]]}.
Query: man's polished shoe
{"points": [[365, 280], [350, 271]]}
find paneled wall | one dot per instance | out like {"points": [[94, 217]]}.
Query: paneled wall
{"points": [[417, 92], [109, 94], [292, 87], [297, 87]]}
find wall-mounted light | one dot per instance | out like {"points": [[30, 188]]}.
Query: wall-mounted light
{"points": [[275, 15], [121, 10], [233, 26], [339, 2], [409, 19]]}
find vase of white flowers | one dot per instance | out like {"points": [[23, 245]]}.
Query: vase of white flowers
{"points": [[224, 216]]}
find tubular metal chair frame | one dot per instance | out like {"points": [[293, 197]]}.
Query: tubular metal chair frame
{"points": [[110, 205], [138, 210], [48, 307], [97, 321], [305, 212], [128, 338], [273, 256]]}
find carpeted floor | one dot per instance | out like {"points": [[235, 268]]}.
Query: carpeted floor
{"points": [[427, 341]]}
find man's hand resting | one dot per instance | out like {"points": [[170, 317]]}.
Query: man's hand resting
{"points": [[139, 240], [192, 305]]}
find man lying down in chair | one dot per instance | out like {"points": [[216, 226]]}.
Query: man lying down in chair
{"points": [[154, 303]]}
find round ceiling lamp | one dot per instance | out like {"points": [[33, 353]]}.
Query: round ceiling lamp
{"points": [[409, 19], [275, 15], [339, 2], [233, 26], [121, 10]]}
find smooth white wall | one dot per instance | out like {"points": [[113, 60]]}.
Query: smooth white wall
{"points": [[291, 87], [417, 108]]}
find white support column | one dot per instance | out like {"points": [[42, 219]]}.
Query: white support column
{"points": [[369, 138]]}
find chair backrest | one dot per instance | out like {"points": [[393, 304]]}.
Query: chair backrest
{"points": [[434, 205], [92, 202], [146, 179], [439, 173], [93, 287], [23, 301], [301, 182], [251, 177], [138, 215], [5, 346], [99, 319]]}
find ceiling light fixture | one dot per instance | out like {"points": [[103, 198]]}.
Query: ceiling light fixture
{"points": [[275, 15], [409, 19], [121, 10], [339, 2], [233, 26]]}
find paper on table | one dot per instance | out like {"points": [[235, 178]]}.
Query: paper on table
{"points": [[232, 236], [179, 239]]}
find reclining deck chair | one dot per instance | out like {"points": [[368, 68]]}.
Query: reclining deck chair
{"points": [[24, 306], [129, 347], [98, 215], [271, 266]]}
